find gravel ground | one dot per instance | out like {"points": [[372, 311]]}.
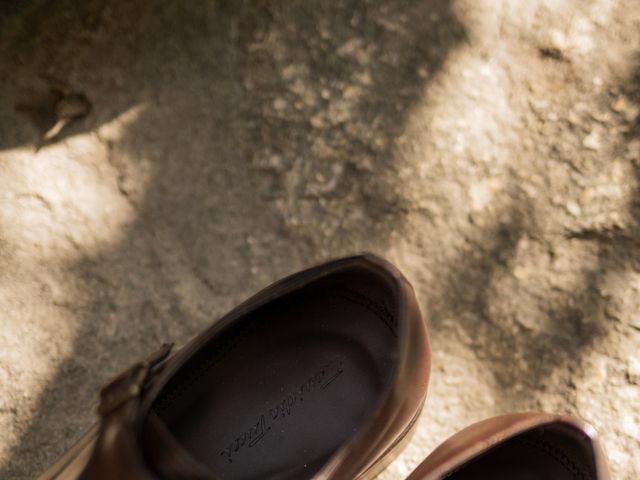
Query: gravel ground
{"points": [[490, 148]]}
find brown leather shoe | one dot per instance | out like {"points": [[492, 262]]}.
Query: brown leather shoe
{"points": [[518, 446], [321, 375]]}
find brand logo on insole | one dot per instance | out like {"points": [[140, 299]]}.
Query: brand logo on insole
{"points": [[256, 432]]}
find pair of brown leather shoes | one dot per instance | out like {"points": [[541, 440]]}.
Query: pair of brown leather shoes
{"points": [[321, 375]]}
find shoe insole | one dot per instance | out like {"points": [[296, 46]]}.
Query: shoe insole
{"points": [[540, 454], [277, 395]]}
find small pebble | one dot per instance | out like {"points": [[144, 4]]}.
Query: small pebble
{"points": [[573, 208], [592, 141], [317, 121], [279, 104], [620, 104]]}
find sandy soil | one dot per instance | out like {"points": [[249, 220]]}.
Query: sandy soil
{"points": [[490, 148]]}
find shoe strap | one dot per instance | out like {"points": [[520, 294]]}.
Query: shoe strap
{"points": [[117, 451], [132, 382]]}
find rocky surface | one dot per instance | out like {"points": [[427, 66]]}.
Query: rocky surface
{"points": [[490, 149]]}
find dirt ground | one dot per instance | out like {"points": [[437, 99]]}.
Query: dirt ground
{"points": [[489, 148]]}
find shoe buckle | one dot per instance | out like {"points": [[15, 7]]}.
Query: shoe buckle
{"points": [[130, 383]]}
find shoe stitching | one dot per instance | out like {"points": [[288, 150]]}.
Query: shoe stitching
{"points": [[176, 391], [541, 445], [173, 393], [559, 455], [374, 307]]}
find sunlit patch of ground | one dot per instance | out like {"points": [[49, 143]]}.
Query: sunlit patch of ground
{"points": [[491, 149]]}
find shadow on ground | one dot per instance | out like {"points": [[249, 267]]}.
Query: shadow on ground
{"points": [[263, 142], [251, 140], [496, 305]]}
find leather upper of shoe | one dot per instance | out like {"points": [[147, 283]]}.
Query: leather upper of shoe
{"points": [[573, 448], [131, 442]]}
